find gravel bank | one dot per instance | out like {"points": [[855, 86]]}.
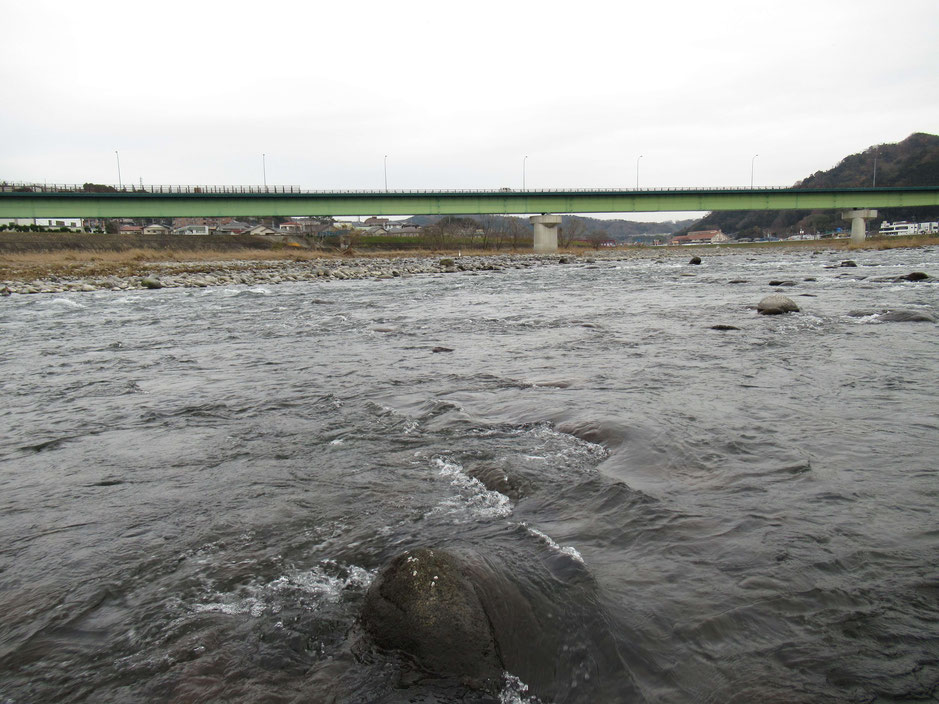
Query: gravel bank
{"points": [[251, 273]]}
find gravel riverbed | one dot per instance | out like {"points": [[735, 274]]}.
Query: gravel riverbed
{"points": [[266, 272]]}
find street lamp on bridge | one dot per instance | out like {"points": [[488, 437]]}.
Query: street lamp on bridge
{"points": [[637, 171], [386, 173], [524, 163], [120, 183], [752, 161]]}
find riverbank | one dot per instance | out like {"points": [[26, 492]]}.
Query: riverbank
{"points": [[92, 270]]}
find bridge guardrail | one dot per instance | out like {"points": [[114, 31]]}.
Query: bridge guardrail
{"points": [[102, 189]]}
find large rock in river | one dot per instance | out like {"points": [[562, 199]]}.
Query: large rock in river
{"points": [[423, 604], [775, 304], [470, 617]]}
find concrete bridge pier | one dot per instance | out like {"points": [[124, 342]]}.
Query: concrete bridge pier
{"points": [[546, 232], [858, 220]]}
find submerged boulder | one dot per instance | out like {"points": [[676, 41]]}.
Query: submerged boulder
{"points": [[497, 479], [695, 260], [908, 316], [776, 304]]}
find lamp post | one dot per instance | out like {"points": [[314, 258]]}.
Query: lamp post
{"points": [[874, 180], [637, 171], [264, 169], [386, 173], [120, 183], [524, 163], [752, 161]]}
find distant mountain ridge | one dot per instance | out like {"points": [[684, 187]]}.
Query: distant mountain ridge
{"points": [[912, 162], [618, 230]]}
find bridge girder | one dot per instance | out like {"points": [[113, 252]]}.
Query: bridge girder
{"points": [[143, 204]]}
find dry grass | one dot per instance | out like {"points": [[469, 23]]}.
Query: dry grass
{"points": [[896, 242]]}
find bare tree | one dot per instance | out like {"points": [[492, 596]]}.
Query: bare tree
{"points": [[597, 238], [573, 230]]}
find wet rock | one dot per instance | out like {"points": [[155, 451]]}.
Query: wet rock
{"points": [[908, 316], [424, 605], [442, 349], [151, 282], [914, 276], [563, 260], [724, 327], [738, 281], [776, 304], [848, 263], [782, 283], [810, 278], [694, 260], [496, 479]]}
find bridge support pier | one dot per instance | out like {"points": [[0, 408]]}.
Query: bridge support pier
{"points": [[858, 220], [546, 232]]}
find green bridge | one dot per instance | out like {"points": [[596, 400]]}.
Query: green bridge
{"points": [[35, 200]]}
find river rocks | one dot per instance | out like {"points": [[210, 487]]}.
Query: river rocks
{"points": [[913, 276], [848, 263], [496, 479], [150, 282], [695, 260], [908, 316], [782, 283], [724, 327], [424, 605], [470, 617], [776, 304]]}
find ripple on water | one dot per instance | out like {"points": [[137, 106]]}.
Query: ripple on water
{"points": [[473, 500], [323, 584]]}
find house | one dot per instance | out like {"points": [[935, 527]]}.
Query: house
{"points": [[260, 230], [192, 230], [156, 230], [701, 237], [51, 223], [381, 222], [131, 229], [233, 227], [407, 231]]}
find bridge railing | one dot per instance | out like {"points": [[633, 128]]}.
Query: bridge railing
{"points": [[25, 187]]}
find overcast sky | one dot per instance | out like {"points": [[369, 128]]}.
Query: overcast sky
{"points": [[457, 94]]}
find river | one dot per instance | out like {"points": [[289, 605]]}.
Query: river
{"points": [[198, 485]]}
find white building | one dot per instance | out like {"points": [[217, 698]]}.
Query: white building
{"points": [[50, 223]]}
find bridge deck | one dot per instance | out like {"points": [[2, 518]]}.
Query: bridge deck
{"points": [[285, 201]]}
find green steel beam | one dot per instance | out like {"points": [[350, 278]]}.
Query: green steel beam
{"points": [[157, 205]]}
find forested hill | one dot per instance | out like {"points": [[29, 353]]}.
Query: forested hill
{"points": [[912, 162]]}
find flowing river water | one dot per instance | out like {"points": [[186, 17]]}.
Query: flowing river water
{"points": [[197, 486]]}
